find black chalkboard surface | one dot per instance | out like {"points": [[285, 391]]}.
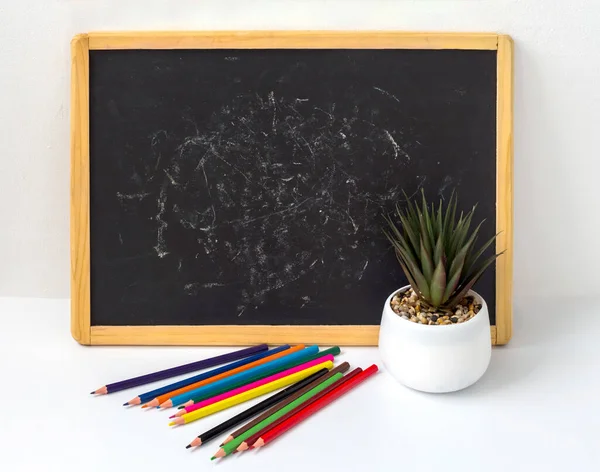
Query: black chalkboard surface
{"points": [[247, 186]]}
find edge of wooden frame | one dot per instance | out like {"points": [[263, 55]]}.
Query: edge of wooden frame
{"points": [[239, 335], [360, 335], [80, 191], [289, 39], [504, 189]]}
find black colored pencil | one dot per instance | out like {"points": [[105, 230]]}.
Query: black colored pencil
{"points": [[244, 415]]}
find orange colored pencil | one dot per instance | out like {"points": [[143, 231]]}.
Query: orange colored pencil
{"points": [[165, 400]]}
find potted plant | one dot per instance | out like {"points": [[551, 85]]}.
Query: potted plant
{"points": [[435, 332]]}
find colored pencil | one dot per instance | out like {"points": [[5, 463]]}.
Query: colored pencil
{"points": [[249, 395], [259, 407], [195, 398], [164, 400], [148, 396], [179, 370], [232, 446], [242, 378], [250, 386], [343, 367], [313, 408], [258, 433]]}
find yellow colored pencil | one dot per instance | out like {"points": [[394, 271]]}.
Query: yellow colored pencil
{"points": [[249, 395]]}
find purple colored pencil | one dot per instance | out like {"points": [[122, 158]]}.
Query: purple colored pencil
{"points": [[179, 370]]}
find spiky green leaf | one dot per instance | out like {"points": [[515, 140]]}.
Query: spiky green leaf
{"points": [[426, 261], [461, 255], [412, 233], [425, 234], [438, 285], [449, 216], [439, 222], [427, 220], [438, 251], [452, 284], [410, 278], [472, 280], [475, 256], [415, 272]]}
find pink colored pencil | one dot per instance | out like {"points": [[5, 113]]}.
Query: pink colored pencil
{"points": [[252, 385]]}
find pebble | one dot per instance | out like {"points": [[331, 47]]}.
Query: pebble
{"points": [[408, 306]]}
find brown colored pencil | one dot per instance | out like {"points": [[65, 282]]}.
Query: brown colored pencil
{"points": [[343, 367]]}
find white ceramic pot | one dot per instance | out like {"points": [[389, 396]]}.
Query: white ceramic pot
{"points": [[435, 358]]}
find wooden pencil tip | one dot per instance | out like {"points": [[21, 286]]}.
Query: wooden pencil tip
{"points": [[227, 439], [242, 447], [151, 403], [126, 404], [196, 442], [172, 423], [258, 443], [218, 454], [188, 446]]}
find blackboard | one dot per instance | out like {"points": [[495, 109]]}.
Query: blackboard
{"points": [[238, 187]]}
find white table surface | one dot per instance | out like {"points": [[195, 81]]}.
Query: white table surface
{"points": [[536, 408]]}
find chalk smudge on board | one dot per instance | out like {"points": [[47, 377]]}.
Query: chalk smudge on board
{"points": [[160, 248], [385, 92], [264, 170]]}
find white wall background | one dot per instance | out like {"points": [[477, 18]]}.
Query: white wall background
{"points": [[557, 122]]}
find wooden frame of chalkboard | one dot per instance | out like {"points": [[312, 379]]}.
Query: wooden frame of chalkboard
{"points": [[82, 328]]}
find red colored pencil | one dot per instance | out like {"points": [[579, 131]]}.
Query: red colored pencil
{"points": [[313, 408], [252, 439]]}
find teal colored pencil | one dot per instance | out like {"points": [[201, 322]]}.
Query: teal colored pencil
{"points": [[250, 375], [334, 351]]}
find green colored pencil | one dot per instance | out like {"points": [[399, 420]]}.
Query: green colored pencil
{"points": [[232, 445]]}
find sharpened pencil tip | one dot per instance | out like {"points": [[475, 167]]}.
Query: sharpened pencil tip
{"points": [[172, 423], [188, 446], [126, 404], [91, 393]]}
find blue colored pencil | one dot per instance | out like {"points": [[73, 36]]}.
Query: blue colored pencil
{"points": [[245, 377], [152, 394]]}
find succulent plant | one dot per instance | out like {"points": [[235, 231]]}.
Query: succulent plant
{"points": [[437, 252]]}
